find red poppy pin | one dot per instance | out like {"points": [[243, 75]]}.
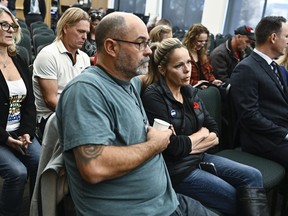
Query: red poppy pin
{"points": [[196, 105]]}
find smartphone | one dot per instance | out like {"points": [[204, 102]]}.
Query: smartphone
{"points": [[208, 167], [22, 150]]}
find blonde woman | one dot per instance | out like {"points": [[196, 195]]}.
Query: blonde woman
{"points": [[160, 32], [19, 150]]}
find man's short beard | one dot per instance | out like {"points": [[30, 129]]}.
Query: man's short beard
{"points": [[128, 71]]}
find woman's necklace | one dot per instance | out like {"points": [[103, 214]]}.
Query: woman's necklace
{"points": [[5, 62]]}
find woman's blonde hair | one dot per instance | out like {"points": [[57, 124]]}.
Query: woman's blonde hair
{"points": [[161, 52], [156, 34], [16, 35], [69, 18], [283, 60]]}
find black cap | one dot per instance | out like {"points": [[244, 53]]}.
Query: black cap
{"points": [[245, 30]]}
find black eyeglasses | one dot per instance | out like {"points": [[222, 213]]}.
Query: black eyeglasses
{"points": [[6, 26], [141, 45]]}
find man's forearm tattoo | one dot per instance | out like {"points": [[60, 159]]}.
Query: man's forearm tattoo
{"points": [[86, 153]]}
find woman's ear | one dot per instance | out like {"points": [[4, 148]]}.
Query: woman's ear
{"points": [[161, 70]]}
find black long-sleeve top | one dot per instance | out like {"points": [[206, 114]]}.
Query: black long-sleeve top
{"points": [[27, 109], [186, 118]]}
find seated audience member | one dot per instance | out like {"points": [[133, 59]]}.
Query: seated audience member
{"points": [[164, 22], [113, 160], [260, 95], [196, 41], [227, 55], [157, 34], [160, 32], [59, 62], [19, 150], [283, 65], [89, 46], [175, 101]]}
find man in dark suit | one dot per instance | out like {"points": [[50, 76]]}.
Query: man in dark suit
{"points": [[260, 96], [34, 10]]}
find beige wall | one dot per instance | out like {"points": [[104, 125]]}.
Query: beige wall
{"points": [[213, 16], [100, 3]]}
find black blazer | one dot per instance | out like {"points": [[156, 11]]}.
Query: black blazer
{"points": [[261, 105], [28, 109]]}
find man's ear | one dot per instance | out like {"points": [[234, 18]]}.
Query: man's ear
{"points": [[273, 37], [111, 47], [238, 36], [65, 29]]}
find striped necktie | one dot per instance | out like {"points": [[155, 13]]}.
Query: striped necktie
{"points": [[276, 72]]}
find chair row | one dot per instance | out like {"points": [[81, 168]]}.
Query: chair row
{"points": [[34, 39], [272, 172]]}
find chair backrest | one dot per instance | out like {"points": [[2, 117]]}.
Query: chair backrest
{"points": [[26, 42], [43, 30], [24, 54], [212, 100], [26, 31], [22, 24], [37, 25], [40, 39], [211, 42], [230, 119]]}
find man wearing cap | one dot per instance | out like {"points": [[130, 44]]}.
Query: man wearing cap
{"points": [[227, 55]]}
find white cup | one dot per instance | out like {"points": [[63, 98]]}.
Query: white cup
{"points": [[160, 124]]}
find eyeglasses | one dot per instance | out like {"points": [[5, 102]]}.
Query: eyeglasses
{"points": [[6, 26], [141, 45]]}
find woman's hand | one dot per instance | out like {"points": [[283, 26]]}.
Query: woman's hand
{"points": [[217, 82], [25, 138], [208, 142], [21, 142], [199, 136]]}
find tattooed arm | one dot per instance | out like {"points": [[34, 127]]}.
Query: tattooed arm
{"points": [[98, 163]]}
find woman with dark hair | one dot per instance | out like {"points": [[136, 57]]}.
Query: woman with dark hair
{"points": [[196, 40], [19, 149]]}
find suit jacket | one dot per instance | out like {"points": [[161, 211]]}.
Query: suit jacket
{"points": [[28, 109], [42, 7], [260, 103]]}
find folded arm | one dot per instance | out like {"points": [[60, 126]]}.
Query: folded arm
{"points": [[98, 163]]}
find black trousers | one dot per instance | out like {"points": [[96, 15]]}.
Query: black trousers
{"points": [[30, 18]]}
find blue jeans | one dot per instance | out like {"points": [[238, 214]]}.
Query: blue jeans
{"points": [[219, 192], [15, 168]]}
